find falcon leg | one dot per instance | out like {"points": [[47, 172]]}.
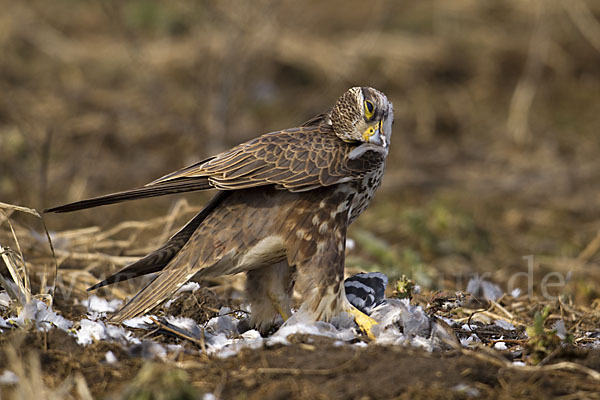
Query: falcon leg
{"points": [[269, 291]]}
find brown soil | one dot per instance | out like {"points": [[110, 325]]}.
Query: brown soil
{"points": [[61, 356], [200, 305], [312, 367]]}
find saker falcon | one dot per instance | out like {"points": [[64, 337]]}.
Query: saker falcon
{"points": [[284, 202]]}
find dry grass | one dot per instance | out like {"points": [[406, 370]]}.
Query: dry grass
{"points": [[19, 289], [91, 247], [31, 380]]}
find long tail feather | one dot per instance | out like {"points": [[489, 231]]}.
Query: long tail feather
{"points": [[177, 186]]}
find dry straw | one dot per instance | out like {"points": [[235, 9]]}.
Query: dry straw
{"points": [[20, 292]]}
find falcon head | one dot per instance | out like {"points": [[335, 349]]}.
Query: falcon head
{"points": [[363, 115]]}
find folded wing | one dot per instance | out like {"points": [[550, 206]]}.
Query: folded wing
{"points": [[297, 159]]}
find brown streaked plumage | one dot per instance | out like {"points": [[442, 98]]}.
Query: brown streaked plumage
{"points": [[284, 203]]}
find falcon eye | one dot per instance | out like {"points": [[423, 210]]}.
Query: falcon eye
{"points": [[369, 109]]}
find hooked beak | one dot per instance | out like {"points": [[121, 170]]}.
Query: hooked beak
{"points": [[377, 136]]}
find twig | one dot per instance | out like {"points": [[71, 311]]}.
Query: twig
{"points": [[487, 354], [307, 371], [504, 310], [178, 333]]}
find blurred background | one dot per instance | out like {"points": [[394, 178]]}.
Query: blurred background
{"points": [[495, 146]]}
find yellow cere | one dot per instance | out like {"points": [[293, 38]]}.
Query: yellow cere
{"points": [[370, 131]]}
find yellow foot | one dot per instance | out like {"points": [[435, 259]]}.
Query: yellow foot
{"points": [[278, 307], [364, 322]]}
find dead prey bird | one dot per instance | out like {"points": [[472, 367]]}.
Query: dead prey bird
{"points": [[284, 202]]}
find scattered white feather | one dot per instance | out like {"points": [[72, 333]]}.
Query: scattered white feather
{"points": [[505, 325], [224, 311], [4, 300], [561, 330], [143, 322], [101, 305], [251, 334], [158, 351], [175, 348], [168, 303], [423, 343], [447, 320], [120, 334], [466, 342], [399, 323], [483, 289], [189, 287], [500, 346], [8, 378], [217, 342], [149, 350], [318, 328], [391, 336], [185, 323], [470, 391], [223, 324], [91, 331], [110, 358], [250, 339], [43, 316]]}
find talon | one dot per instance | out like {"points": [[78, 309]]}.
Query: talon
{"points": [[278, 307], [364, 322]]}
